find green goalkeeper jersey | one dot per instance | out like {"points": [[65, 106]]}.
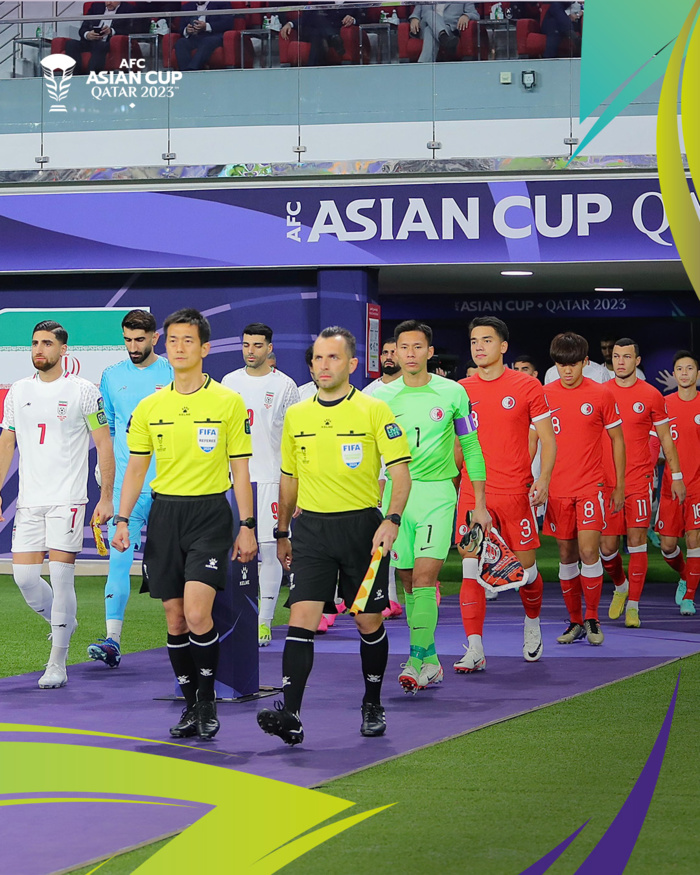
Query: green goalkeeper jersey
{"points": [[432, 415]]}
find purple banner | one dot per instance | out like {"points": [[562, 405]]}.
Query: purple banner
{"points": [[543, 220]]}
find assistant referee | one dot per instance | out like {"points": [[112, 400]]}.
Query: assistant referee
{"points": [[197, 429], [331, 449]]}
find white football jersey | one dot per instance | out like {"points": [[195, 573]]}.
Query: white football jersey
{"points": [[267, 399], [52, 424], [372, 387], [308, 390]]}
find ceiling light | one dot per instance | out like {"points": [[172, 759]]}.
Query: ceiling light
{"points": [[603, 289], [516, 273]]}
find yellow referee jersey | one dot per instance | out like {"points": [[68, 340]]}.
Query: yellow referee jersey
{"points": [[192, 437], [334, 450]]}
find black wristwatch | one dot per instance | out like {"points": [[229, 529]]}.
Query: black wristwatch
{"points": [[394, 518], [121, 519], [278, 535], [248, 523]]}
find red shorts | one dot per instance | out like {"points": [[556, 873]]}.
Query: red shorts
{"points": [[512, 515], [567, 516], [636, 513], [674, 519]]}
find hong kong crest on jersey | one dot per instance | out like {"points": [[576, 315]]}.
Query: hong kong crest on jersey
{"points": [[267, 403], [352, 454], [437, 414], [586, 409], [62, 410], [697, 419], [207, 438], [508, 402], [638, 407]]}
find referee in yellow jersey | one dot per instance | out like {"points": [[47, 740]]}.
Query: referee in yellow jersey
{"points": [[331, 449], [198, 430]]}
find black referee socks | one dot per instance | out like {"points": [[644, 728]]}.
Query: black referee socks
{"points": [[205, 655], [183, 666], [297, 662], [374, 653]]}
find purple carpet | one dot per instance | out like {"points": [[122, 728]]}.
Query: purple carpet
{"points": [[125, 699]]}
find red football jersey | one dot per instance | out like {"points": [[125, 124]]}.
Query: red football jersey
{"points": [[503, 410], [642, 408], [580, 417], [685, 430]]}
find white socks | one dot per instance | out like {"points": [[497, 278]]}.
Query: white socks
{"points": [[36, 591], [114, 630], [63, 620], [270, 580]]}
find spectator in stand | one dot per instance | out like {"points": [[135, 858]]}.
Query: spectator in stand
{"points": [[558, 21], [96, 33], [439, 26], [202, 32], [321, 28]]}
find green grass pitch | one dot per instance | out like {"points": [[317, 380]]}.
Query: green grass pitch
{"points": [[493, 801]]}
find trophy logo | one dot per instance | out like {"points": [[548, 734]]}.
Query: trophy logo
{"points": [[58, 86]]}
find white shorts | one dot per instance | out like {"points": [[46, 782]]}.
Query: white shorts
{"points": [[59, 527], [268, 497]]}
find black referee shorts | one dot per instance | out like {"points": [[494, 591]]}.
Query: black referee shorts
{"points": [[189, 538], [336, 548]]}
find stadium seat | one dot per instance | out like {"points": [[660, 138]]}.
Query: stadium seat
{"points": [[531, 42], [411, 47], [227, 55], [118, 48]]}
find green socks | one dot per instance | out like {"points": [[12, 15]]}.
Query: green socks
{"points": [[422, 621]]}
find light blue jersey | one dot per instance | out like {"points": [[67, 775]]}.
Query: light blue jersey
{"points": [[123, 385]]}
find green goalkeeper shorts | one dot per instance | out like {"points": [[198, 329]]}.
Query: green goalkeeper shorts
{"points": [[426, 523]]}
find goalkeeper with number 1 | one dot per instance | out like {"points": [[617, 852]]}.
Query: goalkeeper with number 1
{"points": [[431, 410]]}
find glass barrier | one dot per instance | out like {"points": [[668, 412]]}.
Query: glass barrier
{"points": [[290, 84]]}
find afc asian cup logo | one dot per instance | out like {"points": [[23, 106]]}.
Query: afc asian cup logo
{"points": [[437, 414], [58, 86], [508, 402], [586, 409], [638, 407]]}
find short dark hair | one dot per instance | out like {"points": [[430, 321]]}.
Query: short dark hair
{"points": [[259, 328], [685, 354], [607, 337], [388, 340], [413, 325], [309, 355], [136, 319], [190, 316], [58, 331], [568, 348], [494, 322], [627, 341], [527, 358], [337, 331]]}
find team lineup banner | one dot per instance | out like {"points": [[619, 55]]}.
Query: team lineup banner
{"points": [[536, 220]]}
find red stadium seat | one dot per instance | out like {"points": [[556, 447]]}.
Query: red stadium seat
{"points": [[118, 48], [411, 47], [227, 55]]}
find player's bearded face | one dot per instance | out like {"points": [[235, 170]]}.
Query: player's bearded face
{"points": [[139, 346], [686, 373], [46, 351], [255, 350], [390, 366]]}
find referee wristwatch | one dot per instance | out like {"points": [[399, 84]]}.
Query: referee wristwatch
{"points": [[279, 535], [121, 519], [248, 523], [394, 518]]}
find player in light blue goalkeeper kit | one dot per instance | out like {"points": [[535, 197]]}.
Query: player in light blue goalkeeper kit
{"points": [[123, 385]]}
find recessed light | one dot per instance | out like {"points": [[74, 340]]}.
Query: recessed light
{"points": [[603, 289], [516, 273]]}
